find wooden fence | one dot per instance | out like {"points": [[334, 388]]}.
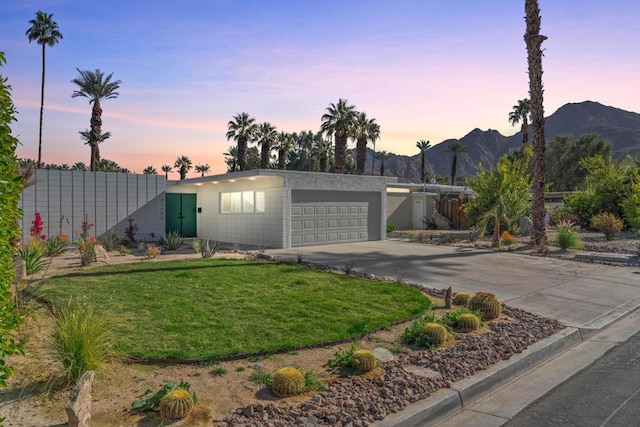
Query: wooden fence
{"points": [[453, 210]]}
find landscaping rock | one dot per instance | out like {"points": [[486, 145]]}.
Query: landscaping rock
{"points": [[79, 406], [383, 354], [526, 225], [442, 222]]}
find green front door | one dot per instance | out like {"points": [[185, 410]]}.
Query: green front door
{"points": [[181, 214]]}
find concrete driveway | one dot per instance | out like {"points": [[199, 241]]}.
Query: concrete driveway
{"points": [[577, 294]]}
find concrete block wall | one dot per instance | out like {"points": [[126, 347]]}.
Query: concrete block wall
{"points": [[64, 198]]}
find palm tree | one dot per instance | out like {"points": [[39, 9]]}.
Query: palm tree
{"points": [[241, 129], [96, 87], [150, 170], [338, 122], [183, 164], [364, 130], [166, 169], [85, 135], [521, 113], [79, 166], [533, 40], [45, 31], [266, 136], [322, 150], [423, 146], [231, 158], [203, 168], [383, 156], [455, 148], [284, 144], [106, 165]]}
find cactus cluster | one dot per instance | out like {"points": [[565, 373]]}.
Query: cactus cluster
{"points": [[176, 404], [436, 333], [461, 298], [364, 360], [487, 304], [468, 322], [287, 381]]}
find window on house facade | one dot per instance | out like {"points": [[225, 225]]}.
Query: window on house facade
{"points": [[242, 202]]}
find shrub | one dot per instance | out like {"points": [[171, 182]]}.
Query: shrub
{"points": [[461, 298], [364, 360], [80, 340], [208, 248], [342, 358], [110, 243], [487, 304], [196, 245], [124, 250], [566, 237], [390, 227], [87, 249], [130, 230], [32, 257], [312, 381], [631, 205], [607, 223], [287, 381], [54, 246], [152, 251], [507, 238], [176, 404], [468, 322], [172, 241]]}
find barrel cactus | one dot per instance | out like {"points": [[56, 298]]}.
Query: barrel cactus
{"points": [[461, 298], [468, 322], [176, 404], [364, 360], [287, 381], [487, 304], [436, 333]]}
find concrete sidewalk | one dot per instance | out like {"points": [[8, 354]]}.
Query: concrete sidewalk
{"points": [[585, 297]]}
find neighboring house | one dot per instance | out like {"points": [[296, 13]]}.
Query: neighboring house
{"points": [[279, 209]]}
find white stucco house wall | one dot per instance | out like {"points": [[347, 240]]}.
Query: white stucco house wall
{"points": [[280, 209]]}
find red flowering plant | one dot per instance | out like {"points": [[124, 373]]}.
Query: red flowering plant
{"points": [[507, 238], [36, 227]]}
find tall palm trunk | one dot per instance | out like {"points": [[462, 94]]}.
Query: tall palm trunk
{"points": [[382, 167], [533, 40], [525, 130], [341, 152], [264, 155], [324, 163], [242, 153], [361, 154], [282, 159], [454, 167], [96, 132], [41, 109], [422, 166]]}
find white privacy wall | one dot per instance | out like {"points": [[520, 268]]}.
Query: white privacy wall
{"points": [[64, 198]]}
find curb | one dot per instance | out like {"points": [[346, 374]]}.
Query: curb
{"points": [[446, 402]]}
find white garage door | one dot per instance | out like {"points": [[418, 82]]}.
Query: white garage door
{"points": [[324, 217]]}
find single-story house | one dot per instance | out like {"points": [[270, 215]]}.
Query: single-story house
{"points": [[279, 209], [262, 208]]}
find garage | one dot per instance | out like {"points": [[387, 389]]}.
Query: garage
{"points": [[327, 217]]}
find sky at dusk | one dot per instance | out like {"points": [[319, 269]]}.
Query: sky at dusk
{"points": [[424, 69]]}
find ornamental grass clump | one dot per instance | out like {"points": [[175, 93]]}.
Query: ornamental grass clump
{"points": [[567, 237], [80, 341]]}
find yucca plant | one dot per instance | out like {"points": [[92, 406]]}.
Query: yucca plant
{"points": [[32, 257], [209, 247], [172, 241], [80, 341]]}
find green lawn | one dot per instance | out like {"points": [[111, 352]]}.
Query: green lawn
{"points": [[207, 309]]}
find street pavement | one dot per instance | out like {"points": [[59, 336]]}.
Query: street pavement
{"points": [[575, 293]]}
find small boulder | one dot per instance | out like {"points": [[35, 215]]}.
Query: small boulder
{"points": [[526, 225], [79, 406], [441, 221]]}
